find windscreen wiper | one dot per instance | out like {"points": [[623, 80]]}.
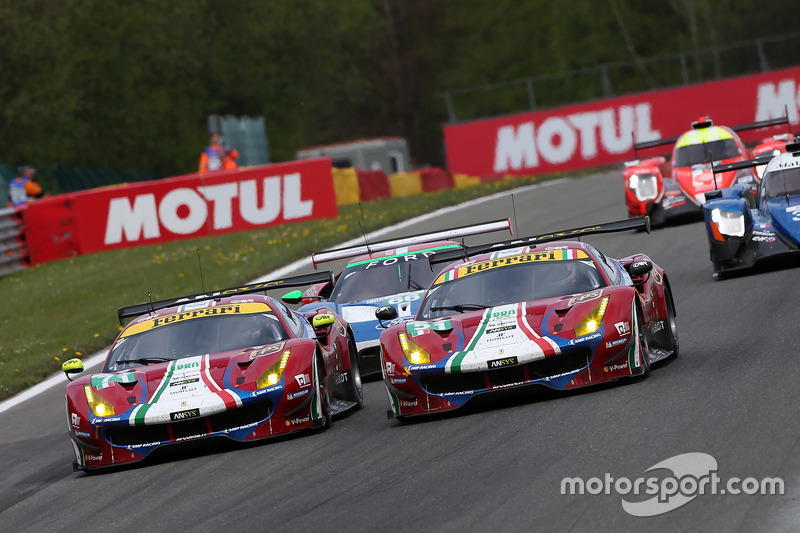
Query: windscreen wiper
{"points": [[459, 307], [144, 360]]}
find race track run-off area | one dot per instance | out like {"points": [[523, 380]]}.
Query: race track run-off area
{"points": [[499, 463]]}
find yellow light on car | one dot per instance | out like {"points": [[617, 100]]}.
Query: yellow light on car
{"points": [[273, 373], [592, 322], [413, 353], [98, 405]]}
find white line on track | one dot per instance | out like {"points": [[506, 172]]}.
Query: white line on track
{"points": [[97, 358]]}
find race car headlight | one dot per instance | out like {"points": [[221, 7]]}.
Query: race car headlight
{"points": [[98, 405], [592, 322], [273, 373], [413, 353], [729, 223], [644, 186]]}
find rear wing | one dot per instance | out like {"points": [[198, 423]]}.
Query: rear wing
{"points": [[294, 281], [761, 160], [453, 233], [792, 147], [468, 251], [741, 127]]}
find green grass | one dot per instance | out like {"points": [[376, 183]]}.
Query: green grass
{"points": [[68, 308]]}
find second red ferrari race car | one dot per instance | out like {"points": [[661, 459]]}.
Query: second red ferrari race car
{"points": [[227, 363], [538, 310], [665, 189]]}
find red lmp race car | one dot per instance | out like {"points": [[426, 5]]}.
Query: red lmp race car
{"points": [[523, 312], [667, 190], [227, 363]]}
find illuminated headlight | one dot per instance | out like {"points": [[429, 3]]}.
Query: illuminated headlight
{"points": [[98, 405], [592, 322], [644, 186], [730, 223], [273, 373], [413, 353]]}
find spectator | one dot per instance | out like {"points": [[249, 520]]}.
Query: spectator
{"points": [[217, 156], [24, 187]]}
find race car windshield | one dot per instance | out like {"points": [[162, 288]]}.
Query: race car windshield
{"points": [[781, 183], [697, 154], [511, 284], [198, 336], [373, 279]]}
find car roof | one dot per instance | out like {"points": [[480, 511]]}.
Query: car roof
{"points": [[705, 135], [260, 303], [550, 251], [782, 161]]}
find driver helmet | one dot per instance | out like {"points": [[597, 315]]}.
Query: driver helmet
{"points": [[562, 273]]}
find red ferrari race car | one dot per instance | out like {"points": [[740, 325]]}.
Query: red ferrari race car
{"points": [[539, 310], [227, 363], [664, 190]]}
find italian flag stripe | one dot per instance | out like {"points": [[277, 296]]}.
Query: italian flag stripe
{"points": [[455, 362], [231, 400], [138, 414], [546, 344]]}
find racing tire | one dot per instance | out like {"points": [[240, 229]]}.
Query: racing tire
{"points": [[644, 347], [672, 324], [357, 392], [321, 389]]}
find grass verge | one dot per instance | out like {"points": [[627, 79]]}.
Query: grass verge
{"points": [[68, 308]]}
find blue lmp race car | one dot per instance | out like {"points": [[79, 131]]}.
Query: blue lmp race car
{"points": [[747, 226], [393, 272]]}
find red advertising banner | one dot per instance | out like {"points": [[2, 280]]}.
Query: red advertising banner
{"points": [[602, 132], [182, 207]]}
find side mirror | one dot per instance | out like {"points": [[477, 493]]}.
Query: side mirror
{"points": [[72, 366], [713, 195], [638, 270], [322, 324], [387, 312], [294, 297]]}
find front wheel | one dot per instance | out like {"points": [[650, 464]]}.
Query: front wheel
{"points": [[672, 323], [644, 348], [357, 392], [321, 391]]}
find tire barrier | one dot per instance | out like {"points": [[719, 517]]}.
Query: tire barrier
{"points": [[354, 185], [13, 246]]}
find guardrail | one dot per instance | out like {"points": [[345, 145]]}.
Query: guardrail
{"points": [[13, 249]]}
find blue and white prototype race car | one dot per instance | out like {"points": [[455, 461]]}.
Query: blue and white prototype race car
{"points": [[748, 226], [394, 272]]}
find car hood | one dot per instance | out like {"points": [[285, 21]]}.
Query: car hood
{"points": [[185, 388], [508, 334]]}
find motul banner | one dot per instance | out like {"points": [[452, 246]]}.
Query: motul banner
{"points": [[602, 132], [182, 207]]}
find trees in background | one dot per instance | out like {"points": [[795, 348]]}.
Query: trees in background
{"points": [[129, 84]]}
